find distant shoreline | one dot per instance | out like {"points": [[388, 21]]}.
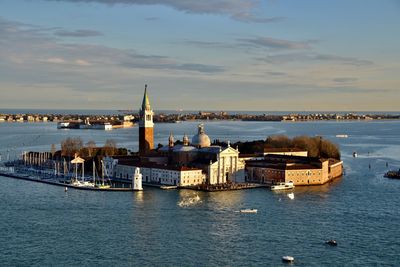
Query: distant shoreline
{"points": [[196, 116]]}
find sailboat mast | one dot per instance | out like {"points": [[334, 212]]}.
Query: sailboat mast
{"points": [[102, 172], [94, 172]]}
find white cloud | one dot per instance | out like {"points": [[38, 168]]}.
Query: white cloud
{"points": [[240, 10], [55, 60], [82, 62]]}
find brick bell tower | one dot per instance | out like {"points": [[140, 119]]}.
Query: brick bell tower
{"points": [[146, 133]]}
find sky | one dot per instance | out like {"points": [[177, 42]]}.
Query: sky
{"points": [[271, 55]]}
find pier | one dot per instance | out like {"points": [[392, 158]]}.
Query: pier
{"points": [[57, 183]]}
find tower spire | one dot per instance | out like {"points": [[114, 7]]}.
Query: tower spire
{"points": [[146, 134], [145, 102]]}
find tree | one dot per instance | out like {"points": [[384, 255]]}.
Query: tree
{"points": [[278, 141], [71, 145], [90, 145], [307, 143], [110, 147], [329, 150], [53, 150]]}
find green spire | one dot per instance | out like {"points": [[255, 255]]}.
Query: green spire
{"points": [[146, 102]]}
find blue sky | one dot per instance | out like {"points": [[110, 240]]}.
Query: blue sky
{"points": [[210, 54]]}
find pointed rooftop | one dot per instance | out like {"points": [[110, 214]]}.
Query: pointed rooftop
{"points": [[146, 102]]}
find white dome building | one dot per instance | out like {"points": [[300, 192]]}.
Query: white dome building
{"points": [[201, 140]]}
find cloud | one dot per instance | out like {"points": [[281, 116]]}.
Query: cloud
{"points": [[200, 68], [171, 65], [276, 73], [24, 46], [81, 62], [344, 60], [272, 43], [249, 18], [78, 33], [55, 60], [345, 79], [314, 57], [240, 10], [152, 18]]}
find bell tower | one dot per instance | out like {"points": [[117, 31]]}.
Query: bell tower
{"points": [[146, 133]]}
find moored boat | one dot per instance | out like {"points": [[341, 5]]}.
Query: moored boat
{"points": [[79, 183], [283, 186], [249, 211], [393, 174]]}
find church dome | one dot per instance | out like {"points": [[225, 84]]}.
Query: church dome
{"points": [[201, 139]]}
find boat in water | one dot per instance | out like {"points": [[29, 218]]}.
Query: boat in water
{"points": [[283, 186], [393, 174], [248, 211], [331, 242], [342, 136], [79, 183], [288, 259]]}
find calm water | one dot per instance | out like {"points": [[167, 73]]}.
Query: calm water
{"points": [[43, 225]]}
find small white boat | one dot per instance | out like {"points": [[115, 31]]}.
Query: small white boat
{"points": [[283, 186], [82, 183], [248, 211], [168, 187], [355, 154], [342, 136], [288, 259]]}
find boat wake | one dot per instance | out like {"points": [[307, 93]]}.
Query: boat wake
{"points": [[189, 201]]}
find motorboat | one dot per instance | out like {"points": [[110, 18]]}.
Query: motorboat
{"points": [[283, 186], [355, 154], [168, 187], [288, 259], [248, 211], [103, 186], [82, 183], [342, 136], [331, 242], [393, 174]]}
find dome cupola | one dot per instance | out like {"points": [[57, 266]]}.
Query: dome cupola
{"points": [[201, 139]]}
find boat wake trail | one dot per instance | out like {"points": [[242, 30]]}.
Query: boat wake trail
{"points": [[189, 201]]}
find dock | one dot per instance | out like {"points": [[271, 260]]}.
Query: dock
{"points": [[53, 182]]}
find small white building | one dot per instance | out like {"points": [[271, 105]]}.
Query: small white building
{"points": [[137, 180]]}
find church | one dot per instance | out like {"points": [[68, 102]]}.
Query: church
{"points": [[191, 163]]}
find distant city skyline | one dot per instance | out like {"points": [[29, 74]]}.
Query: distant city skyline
{"points": [[276, 55]]}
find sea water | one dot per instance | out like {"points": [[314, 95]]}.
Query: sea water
{"points": [[41, 225]]}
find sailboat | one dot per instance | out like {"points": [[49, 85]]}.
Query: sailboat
{"points": [[102, 185]]}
